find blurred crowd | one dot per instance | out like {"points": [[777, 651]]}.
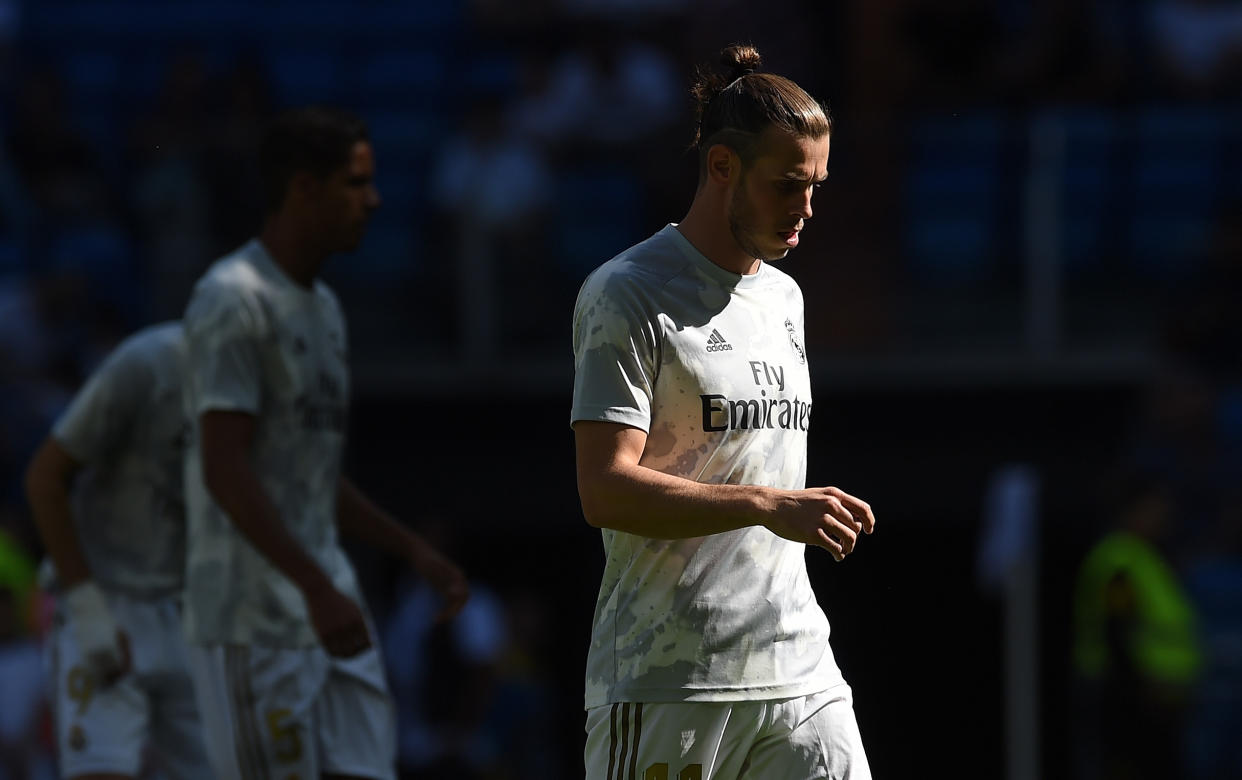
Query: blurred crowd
{"points": [[519, 145]]}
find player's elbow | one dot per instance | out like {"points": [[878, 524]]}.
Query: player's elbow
{"points": [[35, 482], [598, 508], [592, 516], [47, 474]]}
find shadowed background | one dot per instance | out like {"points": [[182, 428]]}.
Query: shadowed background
{"points": [[1022, 277]]}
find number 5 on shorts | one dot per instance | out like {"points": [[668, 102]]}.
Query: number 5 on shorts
{"points": [[284, 736], [660, 772]]}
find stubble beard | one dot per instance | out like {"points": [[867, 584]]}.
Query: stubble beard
{"points": [[741, 225]]}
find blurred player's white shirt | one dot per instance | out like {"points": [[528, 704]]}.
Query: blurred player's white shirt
{"points": [[261, 344], [711, 364], [128, 426]]}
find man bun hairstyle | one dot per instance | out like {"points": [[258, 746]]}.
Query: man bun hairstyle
{"points": [[735, 103], [309, 139]]}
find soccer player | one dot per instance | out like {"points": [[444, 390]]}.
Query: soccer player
{"points": [[282, 647], [709, 656], [105, 489]]}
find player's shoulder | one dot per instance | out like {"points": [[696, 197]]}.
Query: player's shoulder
{"points": [[325, 293], [152, 343], [168, 334], [235, 272], [643, 268], [234, 282]]}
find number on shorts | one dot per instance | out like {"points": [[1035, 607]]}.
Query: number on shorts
{"points": [[660, 772], [284, 736], [80, 686]]}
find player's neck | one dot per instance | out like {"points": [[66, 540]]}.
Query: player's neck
{"points": [[292, 251], [706, 227]]}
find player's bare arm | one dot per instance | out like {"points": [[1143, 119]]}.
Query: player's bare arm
{"points": [[361, 518], [618, 492], [227, 471], [49, 477]]}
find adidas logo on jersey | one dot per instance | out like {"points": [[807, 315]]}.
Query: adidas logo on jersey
{"points": [[717, 343]]}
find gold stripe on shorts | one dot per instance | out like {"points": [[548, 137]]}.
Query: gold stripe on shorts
{"points": [[638, 732], [625, 739], [612, 740], [246, 736]]}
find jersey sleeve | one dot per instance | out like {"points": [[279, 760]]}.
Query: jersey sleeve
{"points": [[224, 331], [616, 347], [95, 421]]}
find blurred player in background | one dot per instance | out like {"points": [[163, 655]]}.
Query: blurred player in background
{"points": [[282, 646], [709, 656], [105, 489]]}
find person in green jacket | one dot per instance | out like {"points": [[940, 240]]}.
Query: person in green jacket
{"points": [[1136, 653]]}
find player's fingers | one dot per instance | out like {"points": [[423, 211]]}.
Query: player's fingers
{"points": [[860, 510], [829, 543], [835, 509], [844, 531]]}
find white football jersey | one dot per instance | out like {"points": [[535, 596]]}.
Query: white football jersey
{"points": [[263, 345], [712, 365], [127, 427]]}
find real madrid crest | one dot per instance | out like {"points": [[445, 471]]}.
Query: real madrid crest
{"points": [[793, 341]]}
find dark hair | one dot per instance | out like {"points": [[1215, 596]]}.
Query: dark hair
{"points": [[311, 139], [733, 108]]}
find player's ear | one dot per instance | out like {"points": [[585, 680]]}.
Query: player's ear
{"points": [[723, 164]]}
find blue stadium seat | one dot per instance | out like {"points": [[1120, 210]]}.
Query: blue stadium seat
{"points": [[12, 260], [951, 198], [388, 253], [92, 72], [1088, 185], [301, 75], [586, 237], [1179, 153], [109, 259], [403, 137], [402, 76]]}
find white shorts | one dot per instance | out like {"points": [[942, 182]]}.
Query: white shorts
{"points": [[151, 710], [806, 737], [284, 713]]}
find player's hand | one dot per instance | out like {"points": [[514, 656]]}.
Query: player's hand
{"points": [[826, 517], [338, 622], [447, 580], [104, 646]]}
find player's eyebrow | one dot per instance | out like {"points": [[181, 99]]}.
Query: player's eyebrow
{"points": [[794, 176]]}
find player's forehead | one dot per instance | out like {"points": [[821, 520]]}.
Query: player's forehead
{"points": [[782, 154]]}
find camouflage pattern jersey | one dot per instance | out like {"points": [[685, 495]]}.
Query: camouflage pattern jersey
{"points": [[711, 364], [126, 427], [261, 344]]}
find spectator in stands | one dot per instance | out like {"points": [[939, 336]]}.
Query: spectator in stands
{"points": [[1137, 655], [25, 752], [56, 164], [169, 193], [490, 190]]}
